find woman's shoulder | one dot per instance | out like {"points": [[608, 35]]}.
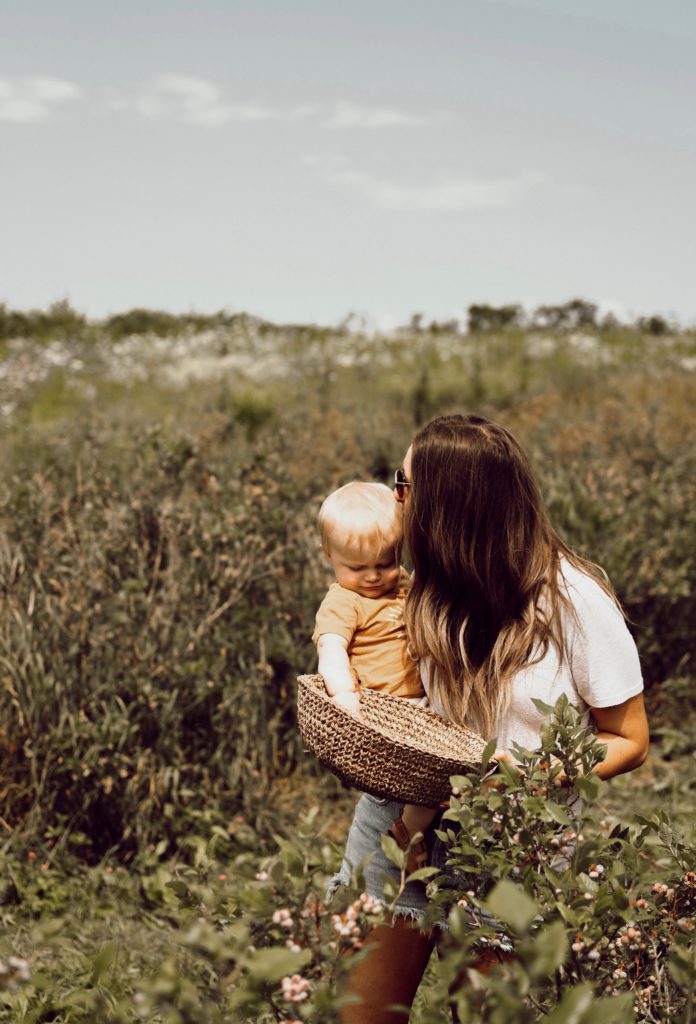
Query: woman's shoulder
{"points": [[584, 591], [603, 659]]}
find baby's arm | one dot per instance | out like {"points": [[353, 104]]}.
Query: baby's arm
{"points": [[334, 666]]}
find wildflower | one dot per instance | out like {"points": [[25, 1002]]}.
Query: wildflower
{"points": [[19, 965], [261, 876], [295, 988]]}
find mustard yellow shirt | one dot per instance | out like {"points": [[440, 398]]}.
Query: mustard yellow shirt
{"points": [[376, 635]]}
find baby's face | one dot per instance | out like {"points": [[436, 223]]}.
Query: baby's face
{"points": [[363, 570]]}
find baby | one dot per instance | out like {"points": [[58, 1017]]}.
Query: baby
{"points": [[360, 634]]}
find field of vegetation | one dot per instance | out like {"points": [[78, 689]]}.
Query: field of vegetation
{"points": [[163, 853]]}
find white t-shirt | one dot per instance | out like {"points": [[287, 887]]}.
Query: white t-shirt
{"points": [[601, 668]]}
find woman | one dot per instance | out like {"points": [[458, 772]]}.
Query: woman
{"points": [[500, 612]]}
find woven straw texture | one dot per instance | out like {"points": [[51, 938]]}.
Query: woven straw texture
{"points": [[395, 749]]}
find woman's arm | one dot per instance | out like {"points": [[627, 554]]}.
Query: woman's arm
{"points": [[624, 730]]}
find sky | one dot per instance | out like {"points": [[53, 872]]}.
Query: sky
{"points": [[306, 161]]}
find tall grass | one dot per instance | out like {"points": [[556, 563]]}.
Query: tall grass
{"points": [[159, 568]]}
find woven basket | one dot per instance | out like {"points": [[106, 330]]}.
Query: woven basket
{"points": [[394, 749]]}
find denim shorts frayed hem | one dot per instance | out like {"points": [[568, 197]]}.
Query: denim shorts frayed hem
{"points": [[364, 857]]}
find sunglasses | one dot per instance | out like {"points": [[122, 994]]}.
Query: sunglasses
{"points": [[400, 484]]}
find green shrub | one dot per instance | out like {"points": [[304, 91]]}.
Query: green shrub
{"points": [[600, 912], [158, 580], [152, 627]]}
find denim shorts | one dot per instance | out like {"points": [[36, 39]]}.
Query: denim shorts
{"points": [[363, 855], [373, 818]]}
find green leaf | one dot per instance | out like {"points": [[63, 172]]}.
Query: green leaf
{"points": [[272, 964], [487, 754], [103, 961], [423, 873], [511, 905], [682, 966], [578, 1006], [561, 704], [587, 883], [543, 708], [549, 950], [567, 913], [556, 813], [587, 786], [610, 1010], [572, 1007], [179, 887], [547, 735], [393, 852]]}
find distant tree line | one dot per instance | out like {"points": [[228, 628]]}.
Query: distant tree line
{"points": [[60, 320], [577, 314]]}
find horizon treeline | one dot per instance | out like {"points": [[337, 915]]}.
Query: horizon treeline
{"points": [[61, 319]]}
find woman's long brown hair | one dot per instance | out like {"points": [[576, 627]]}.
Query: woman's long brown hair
{"points": [[487, 595]]}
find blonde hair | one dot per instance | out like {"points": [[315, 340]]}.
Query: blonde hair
{"points": [[488, 596], [362, 514]]}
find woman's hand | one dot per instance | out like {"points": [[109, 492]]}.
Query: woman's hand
{"points": [[504, 755], [561, 779]]}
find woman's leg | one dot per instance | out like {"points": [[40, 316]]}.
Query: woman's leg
{"points": [[487, 961], [390, 973]]}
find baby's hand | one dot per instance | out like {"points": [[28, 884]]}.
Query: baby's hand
{"points": [[350, 700]]}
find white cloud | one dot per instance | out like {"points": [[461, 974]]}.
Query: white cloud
{"points": [[32, 98], [304, 111], [197, 100], [350, 115], [442, 196]]}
